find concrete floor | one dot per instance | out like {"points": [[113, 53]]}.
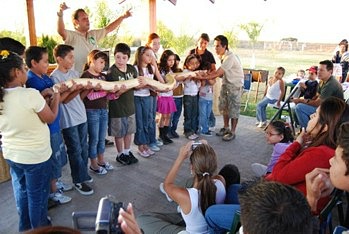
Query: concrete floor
{"points": [[139, 183]]}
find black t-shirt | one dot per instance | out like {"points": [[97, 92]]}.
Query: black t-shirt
{"points": [[206, 59]]}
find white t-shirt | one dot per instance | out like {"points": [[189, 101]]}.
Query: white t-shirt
{"points": [[144, 92], [25, 138]]}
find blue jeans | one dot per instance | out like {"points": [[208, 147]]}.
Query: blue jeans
{"points": [[212, 120], [75, 139], [261, 108], [31, 187], [220, 217], [97, 122], [303, 112], [143, 113], [176, 115], [152, 124], [205, 108], [190, 113], [59, 155]]}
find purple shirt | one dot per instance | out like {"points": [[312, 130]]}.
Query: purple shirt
{"points": [[279, 149]]}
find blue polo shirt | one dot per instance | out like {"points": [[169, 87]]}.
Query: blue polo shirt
{"points": [[41, 83]]}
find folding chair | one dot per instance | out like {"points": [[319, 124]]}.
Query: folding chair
{"points": [[247, 89], [236, 223]]}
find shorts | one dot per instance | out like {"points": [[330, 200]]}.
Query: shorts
{"points": [[230, 101], [166, 105], [120, 127], [59, 155]]}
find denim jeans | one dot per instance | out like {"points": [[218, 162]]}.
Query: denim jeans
{"points": [[212, 120], [220, 217], [97, 122], [151, 118], [261, 108], [142, 105], [190, 113], [31, 187], [205, 108], [176, 115], [75, 139], [303, 112], [59, 155]]}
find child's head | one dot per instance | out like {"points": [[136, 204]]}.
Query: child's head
{"points": [[278, 132], [36, 58], [279, 72], [312, 72], [192, 62], [96, 60], [339, 170], [7, 43], [167, 61], [64, 56], [11, 68], [231, 174], [203, 41], [143, 58], [301, 73], [154, 42], [122, 53]]}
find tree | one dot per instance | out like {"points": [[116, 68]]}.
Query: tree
{"points": [[232, 38], [19, 36], [253, 30], [49, 43]]}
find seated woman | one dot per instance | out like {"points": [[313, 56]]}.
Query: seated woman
{"points": [[313, 148], [208, 189]]}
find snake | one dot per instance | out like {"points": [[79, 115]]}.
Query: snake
{"points": [[129, 84]]}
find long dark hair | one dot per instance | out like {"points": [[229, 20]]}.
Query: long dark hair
{"points": [[204, 165], [163, 68], [138, 58], [333, 112], [281, 128]]}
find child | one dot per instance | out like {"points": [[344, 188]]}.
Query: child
{"points": [[309, 87], [97, 114], [73, 119], [178, 99], [26, 140], [190, 99], [281, 137], [166, 104], [143, 64], [274, 92], [205, 105], [122, 110], [37, 61]]}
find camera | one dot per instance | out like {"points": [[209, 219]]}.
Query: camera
{"points": [[195, 144], [107, 216]]}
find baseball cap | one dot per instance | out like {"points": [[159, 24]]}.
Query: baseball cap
{"points": [[313, 69]]}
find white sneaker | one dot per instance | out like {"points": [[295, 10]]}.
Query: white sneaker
{"points": [[63, 186], [150, 152], [212, 129], [262, 124], [179, 209], [164, 192], [59, 197], [159, 143], [144, 154]]}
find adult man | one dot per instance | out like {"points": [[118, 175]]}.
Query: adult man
{"points": [[232, 82], [328, 87], [82, 38]]}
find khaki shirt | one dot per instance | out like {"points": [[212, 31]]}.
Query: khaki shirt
{"points": [[233, 72]]}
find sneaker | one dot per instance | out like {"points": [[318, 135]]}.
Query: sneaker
{"points": [[123, 159], [179, 209], [154, 147], [89, 180], [63, 186], [164, 192], [174, 134], [132, 158], [150, 152], [229, 136], [222, 132], [207, 133], [193, 136], [262, 124], [257, 123], [83, 188], [159, 142], [107, 166], [108, 142], [212, 129], [99, 171], [144, 154], [59, 198]]}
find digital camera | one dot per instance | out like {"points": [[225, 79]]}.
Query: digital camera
{"points": [[107, 216], [195, 144]]}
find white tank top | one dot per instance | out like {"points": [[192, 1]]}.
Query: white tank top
{"points": [[195, 220], [274, 91]]}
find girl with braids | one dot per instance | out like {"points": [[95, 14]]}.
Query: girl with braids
{"points": [[24, 115], [208, 189], [313, 147]]}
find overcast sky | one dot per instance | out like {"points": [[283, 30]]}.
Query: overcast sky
{"points": [[307, 20]]}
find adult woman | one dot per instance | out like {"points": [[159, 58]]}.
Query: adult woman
{"points": [[26, 140], [337, 58], [313, 148], [208, 189]]}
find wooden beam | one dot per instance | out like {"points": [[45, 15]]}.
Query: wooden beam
{"points": [[31, 22], [152, 16]]}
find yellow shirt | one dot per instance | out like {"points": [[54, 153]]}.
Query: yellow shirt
{"points": [[25, 138]]}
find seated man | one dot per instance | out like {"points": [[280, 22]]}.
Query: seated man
{"points": [[328, 87]]}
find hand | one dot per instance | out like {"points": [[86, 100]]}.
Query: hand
{"points": [[128, 221], [278, 105], [98, 87], [185, 150], [142, 81], [63, 7], [47, 93], [303, 137], [62, 88], [296, 100], [127, 14], [88, 86], [123, 88]]}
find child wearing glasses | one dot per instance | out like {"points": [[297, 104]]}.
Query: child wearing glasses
{"points": [[279, 135]]}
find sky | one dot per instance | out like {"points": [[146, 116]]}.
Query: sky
{"points": [[306, 20]]}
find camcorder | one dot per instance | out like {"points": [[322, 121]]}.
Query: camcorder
{"points": [[107, 216]]}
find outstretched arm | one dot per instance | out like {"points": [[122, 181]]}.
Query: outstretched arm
{"points": [[116, 23], [60, 23]]}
